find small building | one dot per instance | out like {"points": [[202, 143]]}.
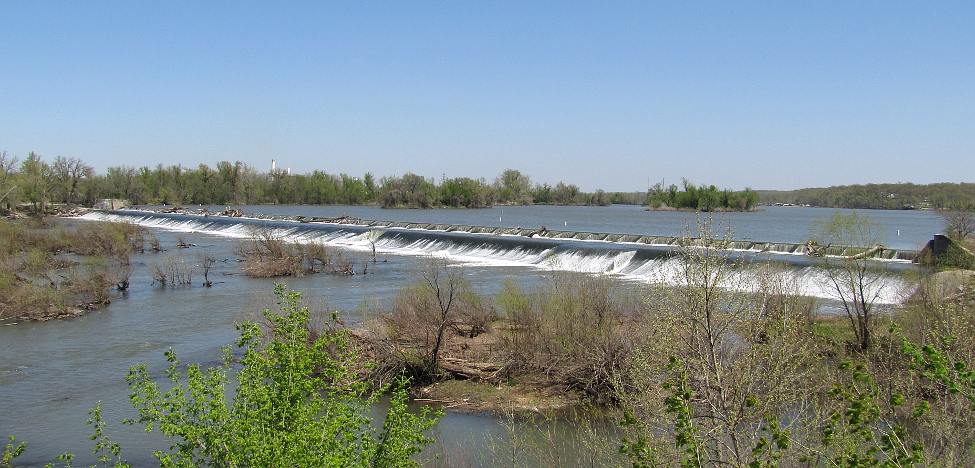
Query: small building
{"points": [[111, 204]]}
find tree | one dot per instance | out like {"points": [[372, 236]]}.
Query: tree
{"points": [[565, 194], [123, 182], [8, 186], [36, 180], [721, 365], [445, 285], [513, 187], [206, 264], [856, 281], [959, 225], [370, 181], [410, 190], [68, 174], [298, 402]]}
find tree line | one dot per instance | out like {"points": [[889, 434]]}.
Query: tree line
{"points": [[37, 182], [941, 196]]}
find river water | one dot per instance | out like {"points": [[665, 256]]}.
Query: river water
{"points": [[51, 373]]}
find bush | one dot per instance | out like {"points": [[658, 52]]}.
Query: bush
{"points": [[577, 330], [107, 239], [267, 255], [427, 317], [298, 403], [174, 271]]}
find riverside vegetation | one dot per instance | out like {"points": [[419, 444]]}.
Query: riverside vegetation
{"points": [[704, 372], [71, 181], [941, 196], [53, 268], [51, 271], [38, 183]]}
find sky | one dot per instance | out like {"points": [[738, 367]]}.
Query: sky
{"points": [[613, 95]]}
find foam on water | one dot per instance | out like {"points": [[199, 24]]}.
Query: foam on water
{"points": [[660, 269]]}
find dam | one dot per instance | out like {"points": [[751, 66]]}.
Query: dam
{"points": [[643, 258], [665, 242]]}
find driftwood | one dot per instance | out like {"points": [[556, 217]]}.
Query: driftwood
{"points": [[483, 371], [231, 213], [872, 251], [813, 249]]}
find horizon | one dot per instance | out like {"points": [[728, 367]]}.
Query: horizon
{"points": [[611, 97]]}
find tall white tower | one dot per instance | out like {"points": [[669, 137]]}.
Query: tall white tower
{"points": [[274, 165]]}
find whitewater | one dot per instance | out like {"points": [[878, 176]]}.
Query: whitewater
{"points": [[653, 264]]}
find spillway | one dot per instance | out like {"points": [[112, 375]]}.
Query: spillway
{"points": [[638, 257]]}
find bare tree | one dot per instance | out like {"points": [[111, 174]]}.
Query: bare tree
{"points": [[959, 225], [445, 286], [67, 174], [726, 350], [855, 280], [8, 168], [206, 264], [123, 271]]}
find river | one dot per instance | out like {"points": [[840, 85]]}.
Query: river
{"points": [[51, 373]]}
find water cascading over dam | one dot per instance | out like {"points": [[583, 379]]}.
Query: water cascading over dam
{"points": [[636, 257]]}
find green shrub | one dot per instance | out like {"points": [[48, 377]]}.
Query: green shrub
{"points": [[297, 403]]}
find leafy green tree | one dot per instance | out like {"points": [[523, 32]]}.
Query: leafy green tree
{"points": [[513, 187], [410, 190], [35, 179], [297, 402], [465, 192]]}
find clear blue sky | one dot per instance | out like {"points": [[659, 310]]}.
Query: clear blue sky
{"points": [[763, 94]]}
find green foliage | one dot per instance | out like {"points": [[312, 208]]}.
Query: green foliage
{"points": [[408, 191], [860, 432], [514, 187], [106, 451], [297, 402], [466, 192], [705, 198], [11, 451], [772, 446], [678, 405], [935, 365], [70, 180], [638, 449]]}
